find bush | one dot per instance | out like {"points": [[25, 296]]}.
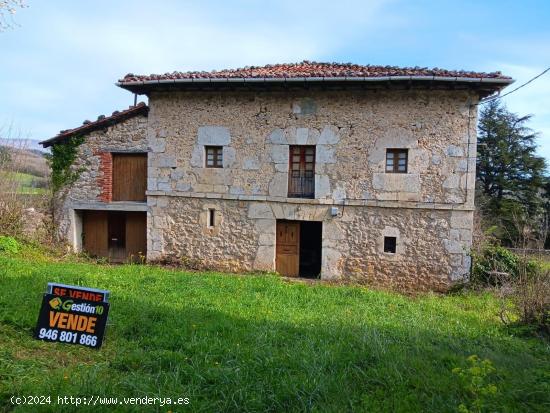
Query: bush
{"points": [[492, 263], [9, 244], [529, 295], [523, 286]]}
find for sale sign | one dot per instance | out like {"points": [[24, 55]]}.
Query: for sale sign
{"points": [[81, 293], [70, 320]]}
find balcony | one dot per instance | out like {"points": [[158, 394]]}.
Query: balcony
{"points": [[301, 185]]}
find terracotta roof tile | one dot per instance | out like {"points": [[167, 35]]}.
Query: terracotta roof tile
{"points": [[313, 69], [101, 122]]}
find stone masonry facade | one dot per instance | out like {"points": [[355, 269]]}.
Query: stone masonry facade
{"points": [[93, 164], [429, 209]]}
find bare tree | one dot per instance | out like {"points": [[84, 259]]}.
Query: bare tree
{"points": [[8, 8], [22, 203]]}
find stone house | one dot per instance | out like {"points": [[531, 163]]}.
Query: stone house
{"points": [[336, 171]]}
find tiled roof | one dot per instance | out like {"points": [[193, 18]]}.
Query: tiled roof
{"points": [[308, 69], [101, 123]]}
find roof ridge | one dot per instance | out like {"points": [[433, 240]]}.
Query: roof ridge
{"points": [[308, 68]]}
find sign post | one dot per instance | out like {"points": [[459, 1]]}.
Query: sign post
{"points": [[73, 315]]}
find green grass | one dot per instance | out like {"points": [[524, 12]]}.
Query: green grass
{"points": [[259, 343]]}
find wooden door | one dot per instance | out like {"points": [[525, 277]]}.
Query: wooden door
{"points": [[95, 233], [288, 248], [129, 176], [136, 235]]}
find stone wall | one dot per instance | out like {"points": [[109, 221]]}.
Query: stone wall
{"points": [[94, 166], [179, 230], [428, 209], [351, 131], [430, 255]]}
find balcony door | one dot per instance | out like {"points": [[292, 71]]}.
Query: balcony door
{"points": [[301, 174]]}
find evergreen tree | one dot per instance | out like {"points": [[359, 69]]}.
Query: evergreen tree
{"points": [[511, 177]]}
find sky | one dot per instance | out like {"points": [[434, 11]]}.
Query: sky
{"points": [[59, 65]]}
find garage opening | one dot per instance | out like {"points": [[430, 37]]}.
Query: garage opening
{"points": [[119, 236], [298, 248]]}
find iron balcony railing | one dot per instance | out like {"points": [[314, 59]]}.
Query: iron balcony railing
{"points": [[301, 186]]}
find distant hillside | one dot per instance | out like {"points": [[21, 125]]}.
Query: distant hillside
{"points": [[23, 171], [28, 144], [29, 161]]}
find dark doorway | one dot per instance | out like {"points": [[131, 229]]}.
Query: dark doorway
{"points": [[310, 249], [117, 236]]}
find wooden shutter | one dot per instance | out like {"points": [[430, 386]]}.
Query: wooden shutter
{"points": [[129, 177]]}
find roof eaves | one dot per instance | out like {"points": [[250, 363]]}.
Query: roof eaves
{"points": [[140, 109], [135, 86]]}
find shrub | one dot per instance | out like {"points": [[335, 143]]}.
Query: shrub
{"points": [[529, 296], [494, 265], [477, 381], [9, 244], [522, 285], [491, 263], [11, 219]]}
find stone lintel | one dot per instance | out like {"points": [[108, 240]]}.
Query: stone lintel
{"points": [[326, 202], [110, 206]]}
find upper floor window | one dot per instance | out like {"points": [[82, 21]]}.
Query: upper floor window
{"points": [[214, 156], [397, 160], [301, 173], [129, 176]]}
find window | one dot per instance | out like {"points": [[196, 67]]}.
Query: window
{"points": [[214, 156], [301, 172], [389, 244], [397, 160], [211, 217]]}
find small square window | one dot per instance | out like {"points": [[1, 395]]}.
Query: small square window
{"points": [[214, 156], [397, 160], [390, 244]]}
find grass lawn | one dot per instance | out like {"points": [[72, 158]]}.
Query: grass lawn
{"points": [[259, 343]]}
